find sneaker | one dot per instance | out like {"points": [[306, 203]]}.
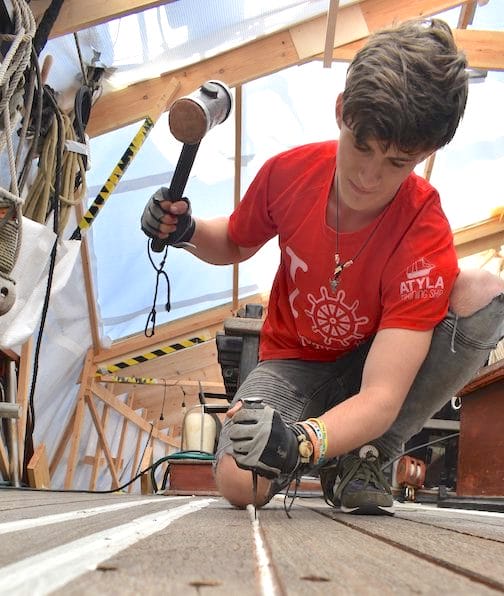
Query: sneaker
{"points": [[363, 489]]}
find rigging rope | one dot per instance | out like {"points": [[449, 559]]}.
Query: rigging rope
{"points": [[12, 71]]}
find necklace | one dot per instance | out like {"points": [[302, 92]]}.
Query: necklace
{"points": [[340, 266]]}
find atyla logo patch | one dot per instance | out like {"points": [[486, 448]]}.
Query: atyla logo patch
{"points": [[421, 281]]}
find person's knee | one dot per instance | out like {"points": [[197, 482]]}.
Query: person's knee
{"points": [[236, 486], [473, 290]]}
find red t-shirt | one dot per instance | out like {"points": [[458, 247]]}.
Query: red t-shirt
{"points": [[401, 279]]}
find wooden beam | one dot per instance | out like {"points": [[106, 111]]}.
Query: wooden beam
{"points": [[75, 15], [146, 487], [382, 13], [97, 458], [478, 237], [4, 461], [89, 285], [136, 457], [483, 49], [277, 51], [207, 320], [308, 37], [62, 444], [78, 419], [103, 440], [332, 16], [38, 469], [429, 164], [24, 377], [130, 104], [124, 428], [467, 12], [124, 410]]}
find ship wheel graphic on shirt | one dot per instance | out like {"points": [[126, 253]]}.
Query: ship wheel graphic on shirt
{"points": [[334, 320]]}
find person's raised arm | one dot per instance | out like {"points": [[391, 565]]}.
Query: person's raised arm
{"points": [[172, 222]]}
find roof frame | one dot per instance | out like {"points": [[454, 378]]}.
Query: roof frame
{"points": [[484, 49]]}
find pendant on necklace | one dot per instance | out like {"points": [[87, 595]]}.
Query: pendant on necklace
{"points": [[338, 269]]}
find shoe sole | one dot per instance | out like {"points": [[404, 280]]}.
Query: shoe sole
{"points": [[368, 510]]}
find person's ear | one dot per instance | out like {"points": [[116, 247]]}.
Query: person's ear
{"points": [[339, 110]]}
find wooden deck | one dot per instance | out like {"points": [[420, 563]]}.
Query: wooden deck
{"points": [[81, 543]]}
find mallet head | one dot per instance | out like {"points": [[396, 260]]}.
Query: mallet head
{"points": [[191, 117]]}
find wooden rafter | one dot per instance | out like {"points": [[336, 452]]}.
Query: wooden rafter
{"points": [[475, 238], [76, 15], [467, 12], [332, 16], [208, 321]]}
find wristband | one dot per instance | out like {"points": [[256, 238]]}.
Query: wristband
{"points": [[317, 433]]}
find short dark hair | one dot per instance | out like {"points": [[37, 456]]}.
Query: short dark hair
{"points": [[407, 87]]}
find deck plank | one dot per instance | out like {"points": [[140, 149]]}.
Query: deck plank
{"points": [[342, 560], [207, 552], [478, 557], [20, 544], [20, 504], [318, 551], [480, 524]]}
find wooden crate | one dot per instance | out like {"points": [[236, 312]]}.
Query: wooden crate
{"points": [[480, 471]]}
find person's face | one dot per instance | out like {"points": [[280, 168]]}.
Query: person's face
{"points": [[368, 175]]}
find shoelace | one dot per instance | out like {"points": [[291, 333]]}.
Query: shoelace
{"points": [[366, 470]]}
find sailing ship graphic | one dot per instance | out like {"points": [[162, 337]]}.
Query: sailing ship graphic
{"points": [[419, 268]]}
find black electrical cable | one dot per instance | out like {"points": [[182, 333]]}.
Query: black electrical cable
{"points": [[30, 423], [46, 24], [179, 454], [94, 492]]}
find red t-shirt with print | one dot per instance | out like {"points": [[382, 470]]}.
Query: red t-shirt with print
{"points": [[402, 277]]}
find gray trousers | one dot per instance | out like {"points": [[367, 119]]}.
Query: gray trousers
{"points": [[300, 389]]}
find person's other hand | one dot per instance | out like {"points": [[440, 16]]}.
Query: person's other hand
{"points": [[262, 442], [167, 219]]}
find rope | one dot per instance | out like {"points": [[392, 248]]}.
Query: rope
{"points": [[38, 204], [12, 72]]}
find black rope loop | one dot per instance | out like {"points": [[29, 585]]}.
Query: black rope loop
{"points": [[150, 325]]}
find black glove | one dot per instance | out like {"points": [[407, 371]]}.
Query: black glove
{"points": [[153, 213], [264, 443]]}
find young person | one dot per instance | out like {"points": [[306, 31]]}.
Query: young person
{"points": [[371, 328]]}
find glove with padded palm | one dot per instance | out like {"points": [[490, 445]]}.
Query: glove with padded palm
{"points": [[262, 442], [154, 212]]}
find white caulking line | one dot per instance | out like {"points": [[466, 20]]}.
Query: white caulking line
{"points": [[447, 511], [57, 518], [52, 569], [267, 584]]}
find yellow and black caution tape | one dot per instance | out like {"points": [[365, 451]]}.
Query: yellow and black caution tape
{"points": [[185, 343], [113, 179]]}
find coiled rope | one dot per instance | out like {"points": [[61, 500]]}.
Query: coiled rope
{"points": [[12, 70], [38, 204]]}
